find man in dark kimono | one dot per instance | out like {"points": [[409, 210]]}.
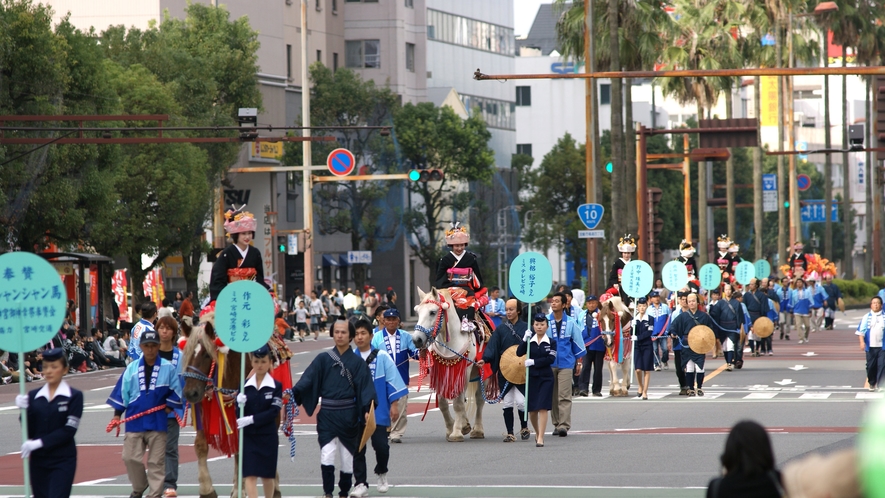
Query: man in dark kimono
{"points": [[626, 246], [459, 271], [240, 260], [510, 333], [692, 362], [343, 380], [727, 314]]}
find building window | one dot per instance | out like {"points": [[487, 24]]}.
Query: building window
{"points": [[319, 56], [410, 4], [334, 6], [605, 94], [496, 113], [410, 57], [319, 5], [289, 61], [334, 61], [363, 53], [457, 30], [523, 95], [524, 149]]}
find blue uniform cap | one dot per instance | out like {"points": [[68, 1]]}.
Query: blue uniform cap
{"points": [[53, 354], [150, 337], [391, 313], [539, 317], [655, 294], [261, 352], [642, 300], [591, 297]]}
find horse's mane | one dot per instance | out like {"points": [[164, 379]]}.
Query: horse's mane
{"points": [[199, 338]]}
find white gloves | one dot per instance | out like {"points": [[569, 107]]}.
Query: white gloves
{"points": [[244, 421], [529, 362], [21, 401], [528, 335], [30, 446], [241, 399]]}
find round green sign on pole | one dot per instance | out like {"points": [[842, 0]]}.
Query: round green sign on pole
{"points": [[711, 276], [32, 302], [744, 272], [674, 275], [244, 316], [531, 277], [871, 451], [637, 278], [763, 268]]}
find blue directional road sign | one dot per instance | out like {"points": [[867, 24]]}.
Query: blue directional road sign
{"points": [[813, 212], [590, 214]]}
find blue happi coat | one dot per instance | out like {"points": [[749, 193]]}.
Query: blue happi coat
{"points": [[134, 393], [389, 386]]}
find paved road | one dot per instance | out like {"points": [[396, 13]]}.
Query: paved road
{"points": [[810, 396]]}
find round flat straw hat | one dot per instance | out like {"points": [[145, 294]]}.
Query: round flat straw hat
{"points": [[701, 339], [512, 366], [763, 327]]}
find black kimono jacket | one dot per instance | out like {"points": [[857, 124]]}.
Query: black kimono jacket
{"points": [[228, 259], [468, 260], [323, 379]]}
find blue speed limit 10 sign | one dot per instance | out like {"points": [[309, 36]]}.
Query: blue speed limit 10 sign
{"points": [[340, 162]]}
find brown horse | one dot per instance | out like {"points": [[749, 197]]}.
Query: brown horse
{"points": [[201, 355]]}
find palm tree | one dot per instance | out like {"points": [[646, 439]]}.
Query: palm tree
{"points": [[870, 43], [755, 54], [702, 38], [845, 25], [640, 24]]}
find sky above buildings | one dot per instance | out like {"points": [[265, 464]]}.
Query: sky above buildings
{"points": [[524, 13]]}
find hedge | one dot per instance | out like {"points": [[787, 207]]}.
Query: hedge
{"points": [[879, 281], [857, 288]]}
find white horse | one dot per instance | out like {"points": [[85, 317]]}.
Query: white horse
{"points": [[611, 313], [447, 350]]}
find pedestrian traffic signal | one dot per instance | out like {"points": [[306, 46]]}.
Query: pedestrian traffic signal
{"points": [[786, 204], [426, 175], [281, 244]]}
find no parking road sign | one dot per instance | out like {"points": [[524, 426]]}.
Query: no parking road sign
{"points": [[341, 162]]}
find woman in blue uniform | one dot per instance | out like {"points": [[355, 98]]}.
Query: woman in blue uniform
{"points": [[643, 352], [262, 397], [541, 354], [53, 413]]}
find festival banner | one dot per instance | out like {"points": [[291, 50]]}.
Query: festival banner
{"points": [[118, 286]]}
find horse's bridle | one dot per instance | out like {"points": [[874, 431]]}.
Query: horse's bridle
{"points": [[433, 332], [195, 373]]}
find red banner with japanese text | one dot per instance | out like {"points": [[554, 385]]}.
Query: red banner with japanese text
{"points": [[119, 286]]}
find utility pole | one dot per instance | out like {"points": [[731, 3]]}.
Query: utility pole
{"points": [[306, 183], [590, 167]]}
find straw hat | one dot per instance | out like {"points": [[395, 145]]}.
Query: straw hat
{"points": [[701, 339], [370, 427], [763, 327], [512, 366]]}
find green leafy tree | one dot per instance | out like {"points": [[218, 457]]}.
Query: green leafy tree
{"points": [[557, 189], [430, 137], [343, 99], [162, 187], [209, 64], [53, 193]]}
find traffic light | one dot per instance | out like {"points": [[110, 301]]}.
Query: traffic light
{"points": [[655, 225], [281, 245], [786, 204], [426, 175], [609, 167]]}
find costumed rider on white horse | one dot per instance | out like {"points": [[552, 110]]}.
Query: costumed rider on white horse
{"points": [[459, 272]]}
